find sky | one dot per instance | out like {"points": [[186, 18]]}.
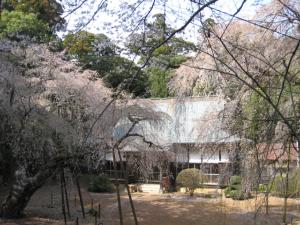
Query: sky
{"points": [[113, 22]]}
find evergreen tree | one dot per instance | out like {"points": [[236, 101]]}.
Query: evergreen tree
{"points": [[164, 59]]}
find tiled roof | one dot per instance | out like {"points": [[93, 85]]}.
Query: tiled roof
{"points": [[277, 151], [188, 120]]}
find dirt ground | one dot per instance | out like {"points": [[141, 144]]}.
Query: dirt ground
{"points": [[155, 209]]}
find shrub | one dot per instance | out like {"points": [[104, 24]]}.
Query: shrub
{"points": [[235, 180], [16, 24], [227, 192], [101, 184], [234, 190], [278, 186], [239, 195], [262, 188], [191, 178], [234, 193], [295, 183]]}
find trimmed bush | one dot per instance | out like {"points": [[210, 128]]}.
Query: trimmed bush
{"points": [[239, 195], [191, 178], [235, 180], [234, 190], [101, 184]]}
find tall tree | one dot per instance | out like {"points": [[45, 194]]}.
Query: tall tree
{"points": [[165, 59], [50, 11], [98, 52]]}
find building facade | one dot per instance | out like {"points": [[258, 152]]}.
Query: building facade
{"points": [[181, 133]]}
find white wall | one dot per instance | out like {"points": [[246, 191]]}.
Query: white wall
{"points": [[202, 155], [206, 157]]}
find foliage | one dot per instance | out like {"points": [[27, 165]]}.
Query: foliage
{"points": [[262, 188], [16, 24], [49, 11], [204, 88], [158, 82], [79, 44], [101, 183], [234, 190], [37, 140], [278, 186], [258, 115], [121, 71], [239, 195], [227, 192], [164, 59], [85, 46], [56, 45], [235, 180], [191, 178], [97, 52]]}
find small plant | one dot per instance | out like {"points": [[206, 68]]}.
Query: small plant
{"points": [[227, 192], [191, 178], [262, 188], [101, 184]]}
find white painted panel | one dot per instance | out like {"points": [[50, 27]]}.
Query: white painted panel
{"points": [[207, 158], [109, 157]]}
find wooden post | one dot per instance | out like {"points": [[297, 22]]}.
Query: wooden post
{"points": [[125, 173], [51, 199], [66, 193], [99, 212], [62, 198], [267, 202], [117, 187], [76, 222], [80, 196], [284, 217]]}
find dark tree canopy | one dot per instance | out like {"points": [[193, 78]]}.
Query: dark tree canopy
{"points": [[49, 11], [164, 59], [98, 52]]}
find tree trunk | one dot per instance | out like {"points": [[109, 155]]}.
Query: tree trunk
{"points": [[7, 164], [192, 192], [21, 192]]}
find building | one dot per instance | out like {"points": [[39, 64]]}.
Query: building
{"points": [[275, 157], [183, 133]]}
